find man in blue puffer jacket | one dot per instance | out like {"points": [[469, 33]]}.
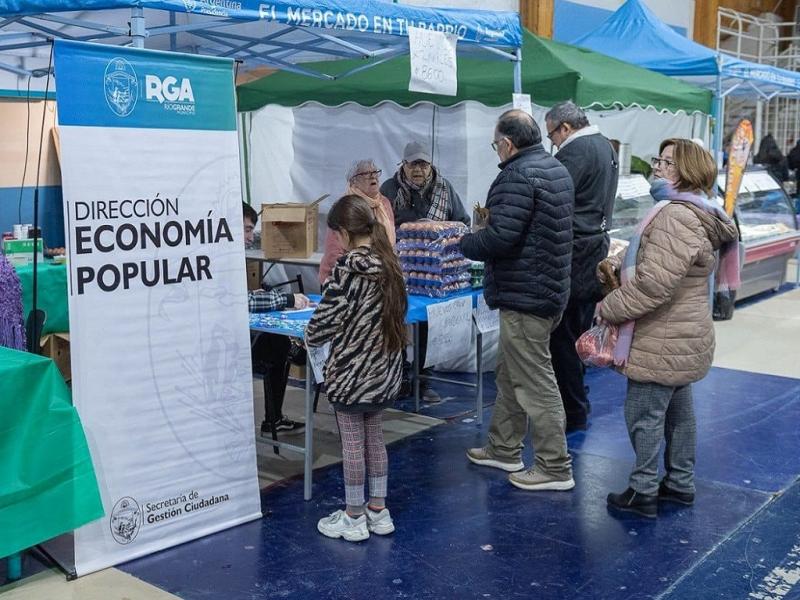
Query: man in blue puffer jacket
{"points": [[527, 248]]}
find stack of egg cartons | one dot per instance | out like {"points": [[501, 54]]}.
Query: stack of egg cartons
{"points": [[432, 262]]}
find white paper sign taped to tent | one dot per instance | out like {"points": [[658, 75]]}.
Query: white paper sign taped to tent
{"points": [[522, 102], [485, 318], [318, 356], [433, 62], [449, 330]]}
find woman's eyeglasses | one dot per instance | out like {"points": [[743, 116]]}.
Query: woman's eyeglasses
{"points": [[658, 162], [369, 174]]}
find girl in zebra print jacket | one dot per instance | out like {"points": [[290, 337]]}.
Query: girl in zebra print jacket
{"points": [[361, 315]]}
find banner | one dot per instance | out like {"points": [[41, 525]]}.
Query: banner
{"points": [[738, 153], [490, 28], [157, 296]]}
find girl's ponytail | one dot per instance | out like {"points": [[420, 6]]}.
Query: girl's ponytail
{"points": [[395, 302]]}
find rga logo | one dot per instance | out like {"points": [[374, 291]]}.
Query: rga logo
{"points": [[126, 520], [171, 94], [121, 86]]}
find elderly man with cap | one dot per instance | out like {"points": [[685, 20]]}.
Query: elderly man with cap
{"points": [[418, 191]]}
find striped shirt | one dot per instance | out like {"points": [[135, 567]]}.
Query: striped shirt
{"points": [[359, 374]]}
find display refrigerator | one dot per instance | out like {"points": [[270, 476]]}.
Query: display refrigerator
{"points": [[768, 227], [765, 215]]}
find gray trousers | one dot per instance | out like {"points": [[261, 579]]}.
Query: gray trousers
{"points": [[654, 413], [527, 391]]}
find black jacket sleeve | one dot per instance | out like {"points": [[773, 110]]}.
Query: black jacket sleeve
{"points": [[511, 205]]}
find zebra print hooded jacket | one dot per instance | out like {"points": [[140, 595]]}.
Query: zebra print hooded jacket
{"points": [[360, 375]]}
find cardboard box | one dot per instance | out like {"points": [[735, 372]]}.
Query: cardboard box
{"points": [[289, 230], [56, 346], [20, 252], [297, 372], [253, 275]]}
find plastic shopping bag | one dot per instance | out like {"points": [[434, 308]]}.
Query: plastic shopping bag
{"points": [[596, 346]]}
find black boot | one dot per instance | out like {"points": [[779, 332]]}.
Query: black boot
{"points": [[632, 501], [667, 494]]}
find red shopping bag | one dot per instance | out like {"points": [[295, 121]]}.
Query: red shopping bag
{"points": [[596, 346]]}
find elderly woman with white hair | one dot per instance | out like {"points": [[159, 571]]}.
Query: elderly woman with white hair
{"points": [[363, 179]]}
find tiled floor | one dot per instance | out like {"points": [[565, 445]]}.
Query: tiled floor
{"points": [[464, 532]]}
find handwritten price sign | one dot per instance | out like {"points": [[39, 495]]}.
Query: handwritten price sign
{"points": [[433, 62], [449, 330]]}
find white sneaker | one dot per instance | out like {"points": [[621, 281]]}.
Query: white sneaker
{"points": [[341, 525], [380, 522], [481, 456]]}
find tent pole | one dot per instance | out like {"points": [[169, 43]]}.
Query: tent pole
{"points": [[518, 72], [759, 125], [138, 31], [718, 116]]}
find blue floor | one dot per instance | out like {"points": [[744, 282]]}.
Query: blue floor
{"points": [[464, 532]]}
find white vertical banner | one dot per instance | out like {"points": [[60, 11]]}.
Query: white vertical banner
{"points": [[157, 296], [433, 61]]}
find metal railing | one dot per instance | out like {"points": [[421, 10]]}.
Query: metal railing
{"points": [[768, 42]]}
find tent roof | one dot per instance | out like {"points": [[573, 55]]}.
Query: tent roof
{"points": [[551, 72], [634, 34], [279, 33]]}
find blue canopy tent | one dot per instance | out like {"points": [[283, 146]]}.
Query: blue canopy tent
{"points": [[278, 34], [634, 34]]}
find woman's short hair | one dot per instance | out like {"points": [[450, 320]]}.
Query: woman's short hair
{"points": [[694, 165], [363, 165]]}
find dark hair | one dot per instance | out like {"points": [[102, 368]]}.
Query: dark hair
{"points": [[567, 112], [354, 215], [694, 165], [249, 213], [519, 127]]}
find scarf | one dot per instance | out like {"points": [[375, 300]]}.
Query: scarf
{"points": [[379, 208], [12, 328], [727, 277], [435, 189]]}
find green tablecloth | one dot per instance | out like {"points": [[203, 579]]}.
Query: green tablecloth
{"points": [[47, 481], [52, 299]]}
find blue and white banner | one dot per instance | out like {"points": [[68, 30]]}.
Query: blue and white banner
{"points": [[157, 296], [492, 28]]}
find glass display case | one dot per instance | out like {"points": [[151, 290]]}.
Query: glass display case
{"points": [[768, 227], [631, 205], [766, 220]]}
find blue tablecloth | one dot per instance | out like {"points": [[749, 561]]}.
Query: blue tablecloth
{"points": [[294, 323]]}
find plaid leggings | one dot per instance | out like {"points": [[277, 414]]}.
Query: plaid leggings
{"points": [[363, 450]]}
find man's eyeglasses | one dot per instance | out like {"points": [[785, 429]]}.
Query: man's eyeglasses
{"points": [[657, 162], [369, 174], [552, 132], [496, 143]]}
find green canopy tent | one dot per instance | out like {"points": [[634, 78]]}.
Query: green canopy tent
{"points": [[551, 72]]}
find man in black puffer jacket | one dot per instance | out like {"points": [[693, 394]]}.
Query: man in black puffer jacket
{"points": [[527, 248], [593, 166]]}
